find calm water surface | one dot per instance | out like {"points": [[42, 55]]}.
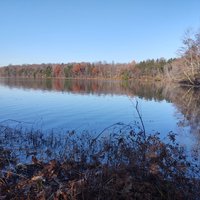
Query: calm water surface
{"points": [[93, 105]]}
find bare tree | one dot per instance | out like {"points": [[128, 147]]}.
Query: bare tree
{"points": [[190, 56]]}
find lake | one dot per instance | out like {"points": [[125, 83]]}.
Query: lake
{"points": [[93, 105]]}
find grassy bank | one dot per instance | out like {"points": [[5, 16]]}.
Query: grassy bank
{"points": [[121, 164]]}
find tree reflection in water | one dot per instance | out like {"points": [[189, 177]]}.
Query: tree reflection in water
{"points": [[185, 99]]}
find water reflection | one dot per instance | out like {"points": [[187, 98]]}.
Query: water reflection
{"points": [[152, 91], [186, 100]]}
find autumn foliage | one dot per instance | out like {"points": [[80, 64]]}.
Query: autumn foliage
{"points": [[151, 68]]}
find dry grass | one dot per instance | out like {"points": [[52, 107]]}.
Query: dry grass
{"points": [[124, 164]]}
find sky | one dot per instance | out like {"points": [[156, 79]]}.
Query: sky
{"points": [[61, 31]]}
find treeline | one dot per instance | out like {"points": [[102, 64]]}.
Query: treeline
{"points": [[184, 69], [149, 68]]}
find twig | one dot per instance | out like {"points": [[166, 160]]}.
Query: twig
{"points": [[140, 117], [5, 172], [13, 120], [119, 123]]}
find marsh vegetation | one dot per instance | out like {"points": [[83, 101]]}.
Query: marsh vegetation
{"points": [[124, 164]]}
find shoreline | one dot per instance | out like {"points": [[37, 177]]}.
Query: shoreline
{"points": [[134, 166]]}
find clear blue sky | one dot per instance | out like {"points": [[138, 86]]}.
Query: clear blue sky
{"points": [[37, 31]]}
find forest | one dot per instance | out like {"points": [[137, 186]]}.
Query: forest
{"points": [[183, 69], [151, 68]]}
